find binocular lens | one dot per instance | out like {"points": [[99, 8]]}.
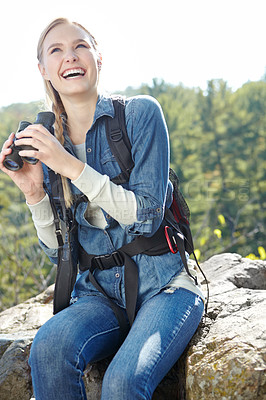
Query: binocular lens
{"points": [[12, 165], [30, 160]]}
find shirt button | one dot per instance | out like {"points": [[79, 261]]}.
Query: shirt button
{"points": [[117, 275], [158, 210], [108, 216], [89, 150]]}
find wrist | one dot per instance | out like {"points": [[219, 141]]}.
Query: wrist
{"points": [[35, 198], [74, 169]]}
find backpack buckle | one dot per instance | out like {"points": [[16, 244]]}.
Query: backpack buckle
{"points": [[107, 261], [170, 237]]}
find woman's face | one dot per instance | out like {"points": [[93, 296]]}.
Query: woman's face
{"points": [[69, 61]]}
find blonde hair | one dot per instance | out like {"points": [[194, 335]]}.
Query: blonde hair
{"points": [[53, 96]]}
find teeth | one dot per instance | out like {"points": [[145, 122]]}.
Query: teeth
{"points": [[76, 71]]}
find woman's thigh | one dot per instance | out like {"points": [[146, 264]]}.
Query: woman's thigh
{"points": [[84, 332], [161, 331]]}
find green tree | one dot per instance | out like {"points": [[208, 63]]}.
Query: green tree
{"points": [[24, 268]]}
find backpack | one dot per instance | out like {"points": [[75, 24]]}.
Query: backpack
{"points": [[173, 235]]}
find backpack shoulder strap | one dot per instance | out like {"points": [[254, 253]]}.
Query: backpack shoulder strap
{"points": [[118, 140]]}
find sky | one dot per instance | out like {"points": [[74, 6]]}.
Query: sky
{"points": [[188, 42]]}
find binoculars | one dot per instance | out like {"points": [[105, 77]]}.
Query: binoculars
{"points": [[14, 161]]}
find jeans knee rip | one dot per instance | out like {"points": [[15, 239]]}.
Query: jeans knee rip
{"points": [[170, 290]]}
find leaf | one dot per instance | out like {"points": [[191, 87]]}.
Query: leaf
{"points": [[221, 219], [262, 252], [218, 233]]}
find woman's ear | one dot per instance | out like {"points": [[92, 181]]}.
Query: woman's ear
{"points": [[99, 61], [43, 72]]}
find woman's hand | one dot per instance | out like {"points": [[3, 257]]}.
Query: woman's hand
{"points": [[29, 178], [49, 151]]}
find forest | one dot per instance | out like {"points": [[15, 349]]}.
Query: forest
{"points": [[218, 147]]}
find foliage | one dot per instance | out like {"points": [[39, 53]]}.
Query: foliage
{"points": [[218, 149], [25, 271]]}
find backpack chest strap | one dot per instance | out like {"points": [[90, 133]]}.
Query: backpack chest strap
{"points": [[155, 245], [107, 261]]}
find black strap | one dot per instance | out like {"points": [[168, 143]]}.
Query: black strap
{"points": [[116, 309], [155, 245], [118, 141], [58, 230], [65, 278], [149, 245], [117, 258], [66, 270]]}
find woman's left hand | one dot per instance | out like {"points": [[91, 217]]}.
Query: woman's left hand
{"points": [[49, 151]]}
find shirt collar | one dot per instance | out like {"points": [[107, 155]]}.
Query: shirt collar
{"points": [[104, 106]]}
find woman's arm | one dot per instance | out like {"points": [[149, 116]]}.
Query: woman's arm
{"points": [[43, 220], [149, 179], [141, 208], [118, 202]]}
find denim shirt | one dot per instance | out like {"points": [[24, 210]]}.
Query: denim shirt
{"points": [[149, 180]]}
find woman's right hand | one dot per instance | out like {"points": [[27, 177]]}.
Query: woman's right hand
{"points": [[29, 178]]}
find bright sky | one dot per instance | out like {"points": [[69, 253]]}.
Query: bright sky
{"points": [[180, 41]]}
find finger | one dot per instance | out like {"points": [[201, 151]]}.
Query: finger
{"points": [[6, 151], [27, 141], [36, 128], [9, 141], [30, 153], [3, 155], [41, 136], [34, 138]]}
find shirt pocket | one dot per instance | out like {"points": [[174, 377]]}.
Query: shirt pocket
{"points": [[109, 164]]}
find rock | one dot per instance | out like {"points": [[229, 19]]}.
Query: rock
{"points": [[225, 359], [18, 326], [15, 382]]}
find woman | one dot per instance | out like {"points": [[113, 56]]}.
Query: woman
{"points": [[169, 304]]}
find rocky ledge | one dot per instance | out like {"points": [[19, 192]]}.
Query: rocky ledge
{"points": [[226, 358]]}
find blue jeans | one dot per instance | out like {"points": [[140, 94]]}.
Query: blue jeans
{"points": [[88, 331]]}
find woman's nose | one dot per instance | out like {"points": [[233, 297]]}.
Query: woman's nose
{"points": [[71, 56]]}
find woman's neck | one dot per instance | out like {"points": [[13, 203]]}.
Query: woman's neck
{"points": [[80, 116]]}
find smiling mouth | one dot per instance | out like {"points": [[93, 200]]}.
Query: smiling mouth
{"points": [[73, 73]]}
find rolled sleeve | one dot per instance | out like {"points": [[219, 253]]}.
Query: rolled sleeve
{"points": [[114, 199], [43, 220]]}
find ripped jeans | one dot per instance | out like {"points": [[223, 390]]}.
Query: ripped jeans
{"points": [[88, 331]]}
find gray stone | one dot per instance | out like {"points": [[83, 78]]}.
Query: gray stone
{"points": [[18, 326], [226, 359], [15, 382]]}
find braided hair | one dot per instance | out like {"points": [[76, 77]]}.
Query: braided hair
{"points": [[53, 97]]}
